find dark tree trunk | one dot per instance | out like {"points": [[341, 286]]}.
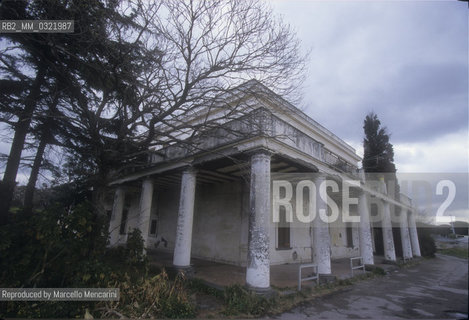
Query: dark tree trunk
{"points": [[45, 138], [7, 186], [30, 187]]}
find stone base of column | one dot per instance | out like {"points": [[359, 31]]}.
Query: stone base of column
{"points": [[187, 271], [394, 262], [327, 278], [264, 292], [405, 259]]}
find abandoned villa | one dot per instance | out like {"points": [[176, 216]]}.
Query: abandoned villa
{"points": [[212, 196]]}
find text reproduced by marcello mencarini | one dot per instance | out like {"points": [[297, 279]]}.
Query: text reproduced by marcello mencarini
{"points": [[59, 294]]}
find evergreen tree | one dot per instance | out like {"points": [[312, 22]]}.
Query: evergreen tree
{"points": [[378, 151], [83, 65]]}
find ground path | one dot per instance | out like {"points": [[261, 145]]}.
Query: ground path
{"points": [[426, 291]]}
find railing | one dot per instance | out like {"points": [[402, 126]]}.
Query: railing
{"points": [[336, 162], [360, 266], [300, 277]]}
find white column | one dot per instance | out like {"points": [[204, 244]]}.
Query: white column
{"points": [[388, 239], [258, 260], [366, 243], [146, 198], [405, 237], [413, 234], [321, 237], [182, 249], [116, 216]]}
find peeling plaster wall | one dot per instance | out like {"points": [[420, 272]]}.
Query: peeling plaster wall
{"points": [[217, 228], [133, 211], [293, 137], [338, 234], [216, 233], [306, 140], [165, 210], [300, 240], [220, 230]]}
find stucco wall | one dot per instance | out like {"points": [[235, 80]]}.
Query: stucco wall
{"points": [[300, 251], [217, 228], [165, 210], [339, 246], [216, 233], [220, 230]]}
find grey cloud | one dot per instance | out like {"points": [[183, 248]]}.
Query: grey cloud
{"points": [[405, 61]]}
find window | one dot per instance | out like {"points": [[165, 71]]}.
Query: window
{"points": [[349, 234], [153, 227], [283, 231], [123, 221], [127, 202]]}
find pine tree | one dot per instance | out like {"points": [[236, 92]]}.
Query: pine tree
{"points": [[378, 151]]}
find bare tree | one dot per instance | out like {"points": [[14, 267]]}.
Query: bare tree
{"points": [[195, 56], [167, 62], [209, 48]]}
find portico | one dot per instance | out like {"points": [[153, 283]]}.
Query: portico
{"points": [[215, 202]]}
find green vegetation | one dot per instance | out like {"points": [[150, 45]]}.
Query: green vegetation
{"points": [[199, 286], [456, 252], [379, 271], [378, 151], [66, 247], [238, 300], [427, 243], [155, 296]]}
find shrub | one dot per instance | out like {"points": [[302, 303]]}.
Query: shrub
{"points": [[135, 248], [52, 248], [154, 297], [427, 243], [57, 247]]}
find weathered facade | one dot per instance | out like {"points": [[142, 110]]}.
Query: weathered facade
{"points": [[212, 197]]}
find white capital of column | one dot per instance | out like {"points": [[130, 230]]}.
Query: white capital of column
{"points": [[146, 198], [258, 260], [116, 216], [366, 244], [182, 249], [413, 235], [321, 237]]}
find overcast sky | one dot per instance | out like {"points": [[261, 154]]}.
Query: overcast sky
{"points": [[405, 60]]}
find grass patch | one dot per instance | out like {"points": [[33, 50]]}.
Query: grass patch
{"points": [[284, 303], [239, 301], [379, 271], [199, 286], [455, 252]]}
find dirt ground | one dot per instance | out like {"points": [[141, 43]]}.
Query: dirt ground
{"points": [[435, 289]]}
